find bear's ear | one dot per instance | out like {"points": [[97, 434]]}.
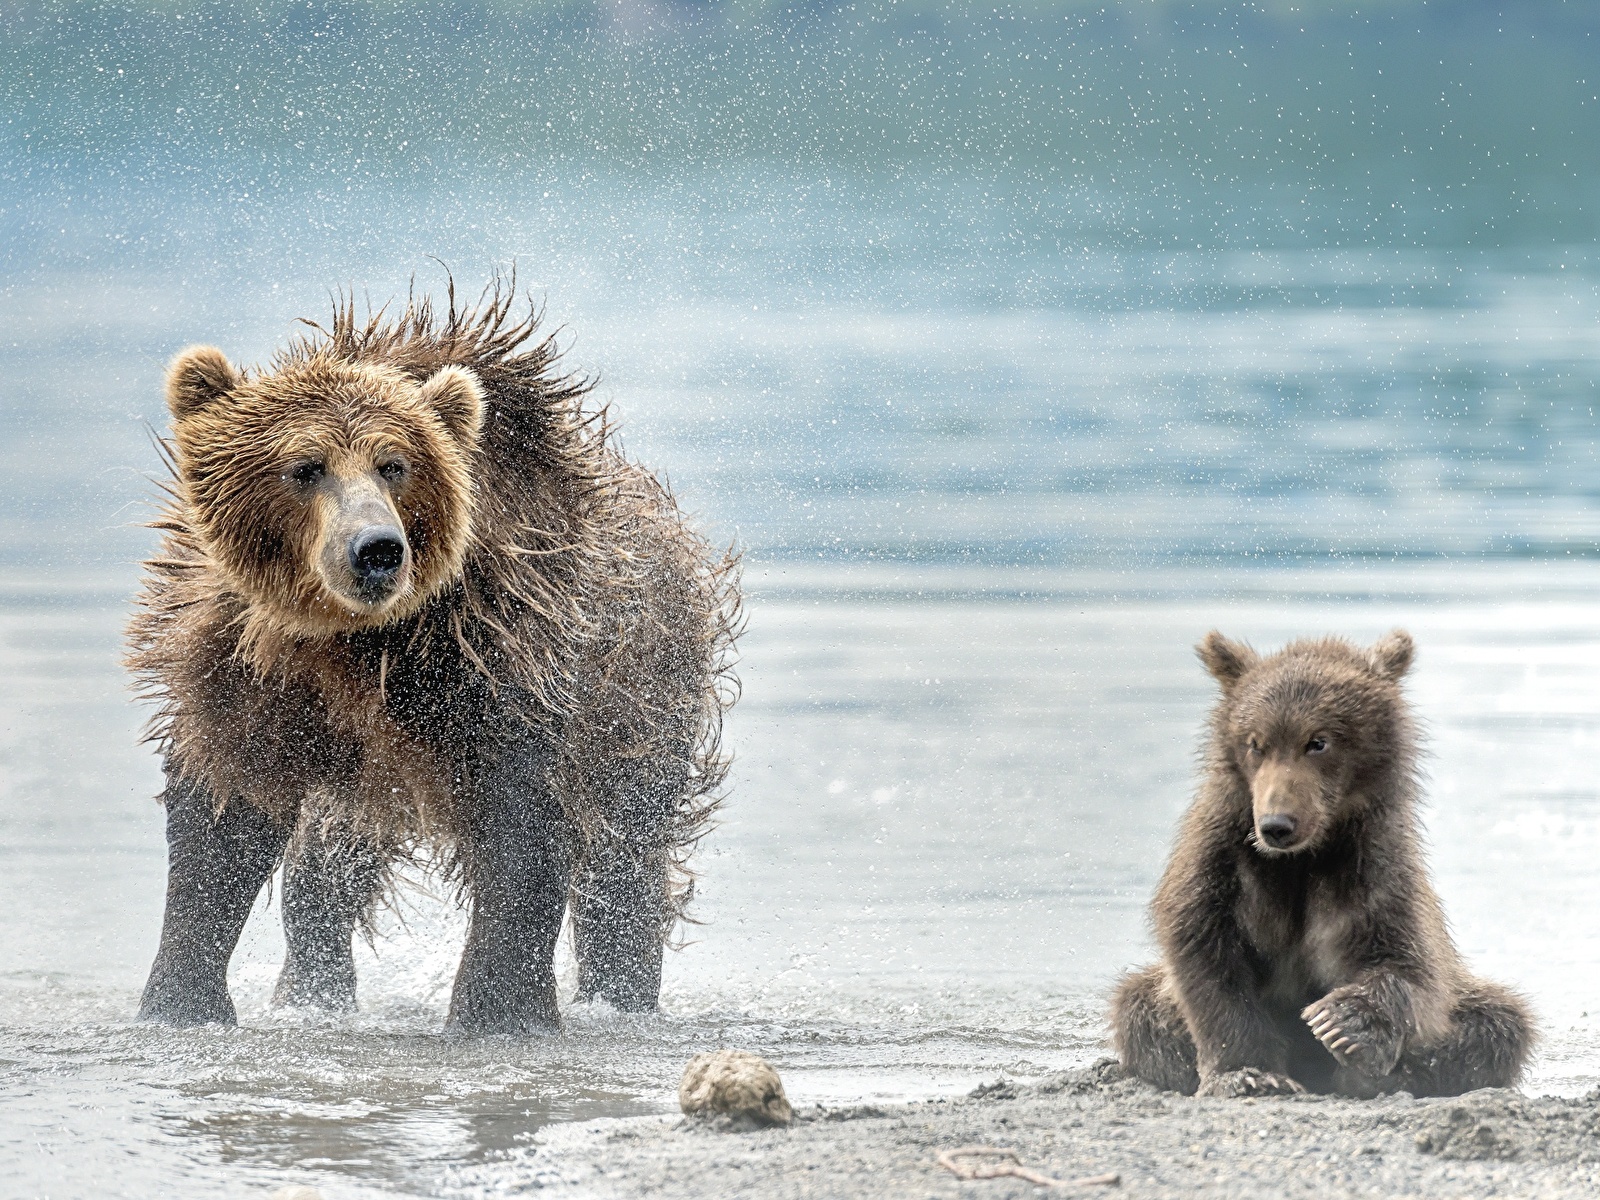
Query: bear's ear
{"points": [[1391, 654], [1227, 661], [457, 396], [199, 376]]}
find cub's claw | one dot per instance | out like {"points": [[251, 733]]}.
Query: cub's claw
{"points": [[1354, 1032], [1250, 1081]]}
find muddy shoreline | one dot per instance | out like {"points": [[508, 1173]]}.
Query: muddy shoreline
{"points": [[1088, 1122]]}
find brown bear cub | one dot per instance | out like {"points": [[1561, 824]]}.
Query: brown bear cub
{"points": [[412, 600], [1303, 947]]}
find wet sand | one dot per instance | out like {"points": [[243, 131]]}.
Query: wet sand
{"points": [[1092, 1121]]}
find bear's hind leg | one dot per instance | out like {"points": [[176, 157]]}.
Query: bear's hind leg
{"points": [[1149, 1033], [1491, 1036], [518, 865], [217, 864], [617, 911], [329, 884]]}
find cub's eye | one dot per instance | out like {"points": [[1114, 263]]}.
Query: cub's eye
{"points": [[1316, 745], [393, 470], [308, 472], [1252, 748]]}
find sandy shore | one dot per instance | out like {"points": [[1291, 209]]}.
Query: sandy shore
{"points": [[1093, 1121]]}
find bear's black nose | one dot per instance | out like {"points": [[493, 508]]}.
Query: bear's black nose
{"points": [[376, 553], [1277, 830]]}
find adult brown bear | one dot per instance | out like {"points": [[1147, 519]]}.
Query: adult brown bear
{"points": [[1303, 946], [411, 597]]}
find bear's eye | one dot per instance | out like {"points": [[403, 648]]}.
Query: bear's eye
{"points": [[393, 470], [308, 472], [1251, 747], [1316, 745]]}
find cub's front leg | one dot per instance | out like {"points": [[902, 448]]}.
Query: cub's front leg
{"points": [[1239, 1049], [1364, 1024]]}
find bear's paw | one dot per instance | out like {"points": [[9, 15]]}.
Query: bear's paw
{"points": [[1355, 1031], [1243, 1084]]}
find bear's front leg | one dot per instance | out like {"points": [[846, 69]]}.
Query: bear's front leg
{"points": [[617, 926], [217, 864], [1363, 1025], [328, 884], [518, 871]]}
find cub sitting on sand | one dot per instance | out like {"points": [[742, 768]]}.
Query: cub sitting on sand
{"points": [[411, 598], [1303, 946]]}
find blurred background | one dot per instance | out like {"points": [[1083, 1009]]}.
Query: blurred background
{"points": [[1017, 345], [1052, 283]]}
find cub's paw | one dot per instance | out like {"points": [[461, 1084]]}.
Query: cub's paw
{"points": [[1236, 1085], [1356, 1032]]}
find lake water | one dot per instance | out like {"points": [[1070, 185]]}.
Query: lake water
{"points": [[1003, 428], [954, 791]]}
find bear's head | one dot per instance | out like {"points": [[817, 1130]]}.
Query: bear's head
{"points": [[1313, 732], [332, 495]]}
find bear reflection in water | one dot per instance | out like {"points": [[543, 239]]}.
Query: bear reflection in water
{"points": [[412, 600], [1303, 946]]}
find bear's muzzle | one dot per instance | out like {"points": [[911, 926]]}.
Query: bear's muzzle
{"points": [[377, 555]]}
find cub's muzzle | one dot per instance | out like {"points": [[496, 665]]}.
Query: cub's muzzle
{"points": [[1277, 830], [1285, 802]]}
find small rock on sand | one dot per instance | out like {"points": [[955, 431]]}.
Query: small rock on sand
{"points": [[737, 1085]]}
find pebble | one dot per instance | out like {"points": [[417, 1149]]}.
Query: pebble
{"points": [[734, 1084]]}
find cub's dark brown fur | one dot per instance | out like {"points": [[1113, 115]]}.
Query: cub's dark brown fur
{"points": [[1303, 946], [412, 598]]}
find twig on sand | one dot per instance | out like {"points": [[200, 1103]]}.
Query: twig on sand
{"points": [[955, 1162]]}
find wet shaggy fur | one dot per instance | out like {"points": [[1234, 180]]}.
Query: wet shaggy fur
{"points": [[538, 705], [1303, 946]]}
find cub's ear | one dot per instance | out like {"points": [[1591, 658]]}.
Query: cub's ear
{"points": [[199, 376], [457, 396], [1391, 654], [1227, 661]]}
